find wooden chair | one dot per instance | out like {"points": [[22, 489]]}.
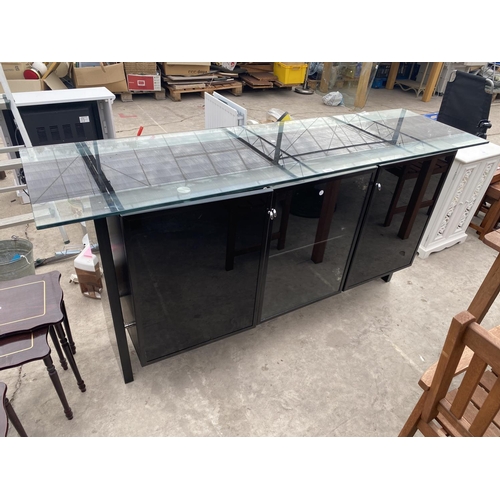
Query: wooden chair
{"points": [[7, 413], [470, 359], [285, 201], [490, 206], [421, 171], [473, 408]]}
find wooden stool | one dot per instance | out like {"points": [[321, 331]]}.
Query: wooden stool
{"points": [[21, 348], [490, 206], [34, 302], [6, 410], [422, 172], [326, 209]]}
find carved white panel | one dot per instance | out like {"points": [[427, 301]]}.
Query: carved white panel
{"points": [[479, 189], [454, 202]]}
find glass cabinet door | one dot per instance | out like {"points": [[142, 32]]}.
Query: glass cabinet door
{"points": [[194, 271], [403, 197], [312, 237]]}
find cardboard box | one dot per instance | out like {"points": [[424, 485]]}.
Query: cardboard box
{"points": [[53, 82], [15, 70], [111, 76], [147, 83], [25, 85], [185, 68], [48, 82], [140, 68]]}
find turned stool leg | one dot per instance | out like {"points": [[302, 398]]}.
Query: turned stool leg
{"points": [[67, 349], [14, 419], [54, 377], [67, 328], [55, 341]]}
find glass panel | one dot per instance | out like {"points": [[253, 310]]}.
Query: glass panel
{"points": [[340, 77], [397, 217], [193, 271], [312, 239], [80, 181]]}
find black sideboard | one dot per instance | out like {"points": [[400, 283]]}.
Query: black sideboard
{"points": [[206, 234]]}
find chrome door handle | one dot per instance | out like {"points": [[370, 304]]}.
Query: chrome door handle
{"points": [[272, 213]]}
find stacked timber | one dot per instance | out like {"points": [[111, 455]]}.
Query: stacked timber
{"points": [[258, 75], [214, 80]]}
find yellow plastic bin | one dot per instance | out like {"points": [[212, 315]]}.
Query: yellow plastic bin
{"points": [[290, 73]]}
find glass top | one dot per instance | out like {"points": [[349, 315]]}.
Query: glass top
{"points": [[73, 182]]}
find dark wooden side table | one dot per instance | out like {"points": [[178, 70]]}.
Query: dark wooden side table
{"points": [[36, 301], [6, 410], [21, 348]]}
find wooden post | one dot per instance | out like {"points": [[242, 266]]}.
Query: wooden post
{"points": [[432, 81], [364, 81], [325, 77], [391, 79]]}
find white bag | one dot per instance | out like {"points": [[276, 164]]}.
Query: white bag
{"points": [[333, 99]]}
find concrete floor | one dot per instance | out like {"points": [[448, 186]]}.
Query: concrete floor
{"points": [[345, 366]]}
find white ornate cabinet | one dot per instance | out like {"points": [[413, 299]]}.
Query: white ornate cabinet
{"points": [[467, 181]]}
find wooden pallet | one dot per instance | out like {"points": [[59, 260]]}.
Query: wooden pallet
{"points": [[175, 91], [128, 96]]}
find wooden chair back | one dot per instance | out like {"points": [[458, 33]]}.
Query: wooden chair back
{"points": [[472, 408], [468, 404]]}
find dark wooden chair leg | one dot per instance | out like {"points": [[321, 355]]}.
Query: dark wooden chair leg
{"points": [[416, 198], [439, 186], [54, 377], [14, 420], [57, 346], [67, 349], [67, 328], [395, 197], [490, 220], [285, 217], [325, 221]]}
